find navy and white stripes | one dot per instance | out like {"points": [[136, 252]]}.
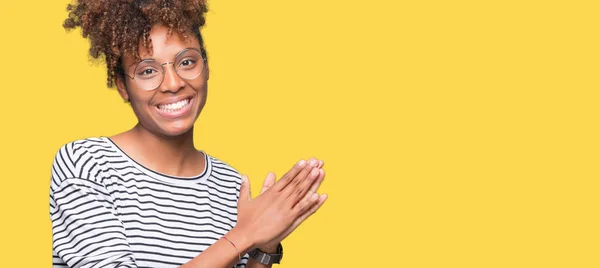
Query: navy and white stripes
{"points": [[109, 211]]}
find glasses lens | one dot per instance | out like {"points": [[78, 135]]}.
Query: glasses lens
{"points": [[189, 64], [148, 74]]}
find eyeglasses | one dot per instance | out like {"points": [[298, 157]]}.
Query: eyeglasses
{"points": [[149, 74]]}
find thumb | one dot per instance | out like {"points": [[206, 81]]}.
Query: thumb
{"points": [[269, 181], [245, 194]]}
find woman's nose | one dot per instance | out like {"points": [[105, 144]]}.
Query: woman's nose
{"points": [[172, 81]]}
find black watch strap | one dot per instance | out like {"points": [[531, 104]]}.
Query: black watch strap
{"points": [[266, 258]]}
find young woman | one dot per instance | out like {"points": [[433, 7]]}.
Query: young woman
{"points": [[147, 197]]}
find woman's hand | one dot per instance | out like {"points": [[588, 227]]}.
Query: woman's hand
{"points": [[271, 214], [271, 246]]}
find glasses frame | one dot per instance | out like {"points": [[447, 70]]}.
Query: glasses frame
{"points": [[174, 68]]}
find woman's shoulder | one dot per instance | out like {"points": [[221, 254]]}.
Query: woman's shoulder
{"points": [[77, 159], [221, 167], [79, 146]]}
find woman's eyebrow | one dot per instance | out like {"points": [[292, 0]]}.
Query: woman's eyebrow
{"points": [[137, 62], [187, 48]]}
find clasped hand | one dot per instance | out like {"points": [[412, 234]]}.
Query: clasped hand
{"points": [[282, 206]]}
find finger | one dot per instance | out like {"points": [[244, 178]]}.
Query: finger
{"points": [[310, 206], [314, 208], [311, 210], [268, 183], [304, 186], [289, 176], [315, 187], [319, 163], [245, 190], [294, 184], [304, 205], [313, 162]]}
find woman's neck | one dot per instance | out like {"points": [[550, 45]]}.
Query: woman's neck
{"points": [[176, 156]]}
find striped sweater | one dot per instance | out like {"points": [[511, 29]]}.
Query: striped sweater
{"points": [[107, 210]]}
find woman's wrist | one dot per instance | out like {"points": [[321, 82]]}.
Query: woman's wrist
{"points": [[241, 240]]}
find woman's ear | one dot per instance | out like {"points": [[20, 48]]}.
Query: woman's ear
{"points": [[207, 72], [122, 88]]}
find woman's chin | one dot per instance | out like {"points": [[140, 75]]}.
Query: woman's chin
{"points": [[176, 129]]}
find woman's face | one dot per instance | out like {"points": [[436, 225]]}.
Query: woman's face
{"points": [[172, 108]]}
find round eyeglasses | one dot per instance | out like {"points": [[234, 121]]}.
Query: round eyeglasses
{"points": [[149, 74]]}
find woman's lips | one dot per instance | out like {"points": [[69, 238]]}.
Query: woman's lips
{"points": [[175, 110]]}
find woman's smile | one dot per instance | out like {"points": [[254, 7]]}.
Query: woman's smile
{"points": [[175, 108]]}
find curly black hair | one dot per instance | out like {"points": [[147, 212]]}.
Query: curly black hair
{"points": [[116, 28]]}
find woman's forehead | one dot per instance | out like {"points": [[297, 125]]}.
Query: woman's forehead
{"points": [[166, 45]]}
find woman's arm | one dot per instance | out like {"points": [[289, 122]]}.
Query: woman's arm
{"points": [[87, 233], [223, 253], [263, 219]]}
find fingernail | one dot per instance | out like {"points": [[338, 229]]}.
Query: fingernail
{"points": [[244, 178], [313, 163], [302, 163], [314, 172], [314, 196]]}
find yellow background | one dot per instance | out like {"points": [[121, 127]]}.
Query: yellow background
{"points": [[455, 133]]}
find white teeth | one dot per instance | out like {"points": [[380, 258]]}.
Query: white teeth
{"points": [[174, 106]]}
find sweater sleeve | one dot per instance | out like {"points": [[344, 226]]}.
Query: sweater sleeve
{"points": [[85, 229]]}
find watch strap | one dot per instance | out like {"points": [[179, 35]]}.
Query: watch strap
{"points": [[266, 258]]}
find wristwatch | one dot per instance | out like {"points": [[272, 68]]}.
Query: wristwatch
{"points": [[266, 258]]}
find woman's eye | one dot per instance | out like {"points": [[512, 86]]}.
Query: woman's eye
{"points": [[187, 62], [147, 72]]}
